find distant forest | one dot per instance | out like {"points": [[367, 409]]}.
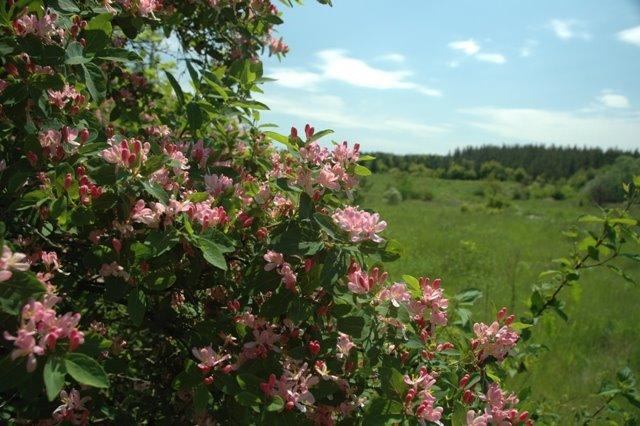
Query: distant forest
{"points": [[548, 162]]}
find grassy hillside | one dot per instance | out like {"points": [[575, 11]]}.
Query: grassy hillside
{"points": [[502, 251]]}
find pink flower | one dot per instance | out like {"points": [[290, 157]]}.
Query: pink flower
{"points": [[127, 153], [432, 305], [216, 185], [206, 215], [50, 259], [148, 216], [499, 410], [361, 283], [344, 155], [293, 386], [361, 225], [72, 408], [289, 278], [344, 345], [208, 358], [113, 270], [274, 259], [397, 293], [493, 340], [314, 154], [328, 179], [12, 262]]}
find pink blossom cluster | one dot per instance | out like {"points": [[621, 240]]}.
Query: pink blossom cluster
{"points": [[500, 410], [314, 154], [206, 215], [40, 329], [361, 225], [359, 282], [292, 386], [200, 154], [208, 358], [432, 305], [265, 338], [54, 142], [344, 345], [128, 153], [157, 213], [72, 409], [217, 184], [114, 269], [494, 340], [397, 293], [276, 261], [88, 190], [419, 400], [10, 262], [68, 95], [344, 155], [143, 7], [278, 46], [44, 27]]}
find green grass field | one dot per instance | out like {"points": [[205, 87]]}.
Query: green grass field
{"points": [[502, 252]]}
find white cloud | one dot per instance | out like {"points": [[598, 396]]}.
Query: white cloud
{"points": [[494, 58], [297, 79], [561, 127], [613, 100], [527, 49], [630, 35], [332, 111], [471, 48], [566, 29], [336, 65], [392, 57]]}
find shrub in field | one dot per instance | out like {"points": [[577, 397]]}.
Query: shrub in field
{"points": [[163, 262]]}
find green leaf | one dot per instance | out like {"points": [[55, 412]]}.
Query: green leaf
{"points": [[212, 253], [351, 325], [156, 191], [413, 284], [176, 87], [54, 373], [194, 116], [195, 78], [74, 54], [320, 134], [95, 81], [468, 296], [201, 397], [67, 6], [136, 306], [16, 291], [86, 370], [101, 22], [361, 170], [277, 404]]}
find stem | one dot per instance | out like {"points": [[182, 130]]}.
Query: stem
{"points": [[595, 413]]}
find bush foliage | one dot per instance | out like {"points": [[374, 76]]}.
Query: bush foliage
{"points": [[164, 262]]}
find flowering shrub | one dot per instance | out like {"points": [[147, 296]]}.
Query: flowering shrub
{"points": [[164, 261]]}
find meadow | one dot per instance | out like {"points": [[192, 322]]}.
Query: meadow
{"points": [[502, 251]]}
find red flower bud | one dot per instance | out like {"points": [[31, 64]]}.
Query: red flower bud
{"points": [[68, 181], [464, 380], [314, 347], [468, 397]]}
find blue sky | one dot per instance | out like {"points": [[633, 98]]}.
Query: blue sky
{"points": [[421, 76]]}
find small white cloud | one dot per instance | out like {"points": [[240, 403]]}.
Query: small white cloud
{"points": [[630, 35], [393, 57], [297, 79], [566, 29], [527, 49], [453, 64], [494, 58], [469, 46], [613, 100]]}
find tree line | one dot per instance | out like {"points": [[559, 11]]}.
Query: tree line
{"points": [[517, 161]]}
